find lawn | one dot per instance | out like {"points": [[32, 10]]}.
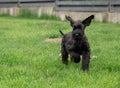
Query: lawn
{"points": [[28, 61]]}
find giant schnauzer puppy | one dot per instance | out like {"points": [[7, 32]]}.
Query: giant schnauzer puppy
{"points": [[75, 43]]}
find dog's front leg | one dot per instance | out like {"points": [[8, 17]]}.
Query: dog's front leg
{"points": [[85, 61]]}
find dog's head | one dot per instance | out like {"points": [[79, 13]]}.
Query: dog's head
{"points": [[79, 26]]}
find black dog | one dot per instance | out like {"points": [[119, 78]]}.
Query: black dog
{"points": [[76, 44]]}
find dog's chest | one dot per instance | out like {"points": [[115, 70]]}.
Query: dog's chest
{"points": [[73, 45]]}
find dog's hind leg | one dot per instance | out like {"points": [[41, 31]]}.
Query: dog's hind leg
{"points": [[75, 57]]}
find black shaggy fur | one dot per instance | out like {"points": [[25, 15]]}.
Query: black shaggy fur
{"points": [[75, 43]]}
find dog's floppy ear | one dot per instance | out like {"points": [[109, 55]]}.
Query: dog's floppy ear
{"points": [[88, 20], [70, 19]]}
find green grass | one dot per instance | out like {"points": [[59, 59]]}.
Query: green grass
{"points": [[27, 61], [25, 13]]}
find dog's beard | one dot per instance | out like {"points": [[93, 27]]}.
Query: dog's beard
{"points": [[78, 38]]}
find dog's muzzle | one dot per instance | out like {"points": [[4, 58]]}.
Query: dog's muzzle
{"points": [[77, 36]]}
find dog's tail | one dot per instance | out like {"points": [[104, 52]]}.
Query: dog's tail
{"points": [[61, 33]]}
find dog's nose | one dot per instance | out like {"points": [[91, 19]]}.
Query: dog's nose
{"points": [[77, 35]]}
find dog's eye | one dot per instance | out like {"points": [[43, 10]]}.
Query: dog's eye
{"points": [[77, 27]]}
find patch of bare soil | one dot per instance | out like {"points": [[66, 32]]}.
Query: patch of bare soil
{"points": [[53, 40]]}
